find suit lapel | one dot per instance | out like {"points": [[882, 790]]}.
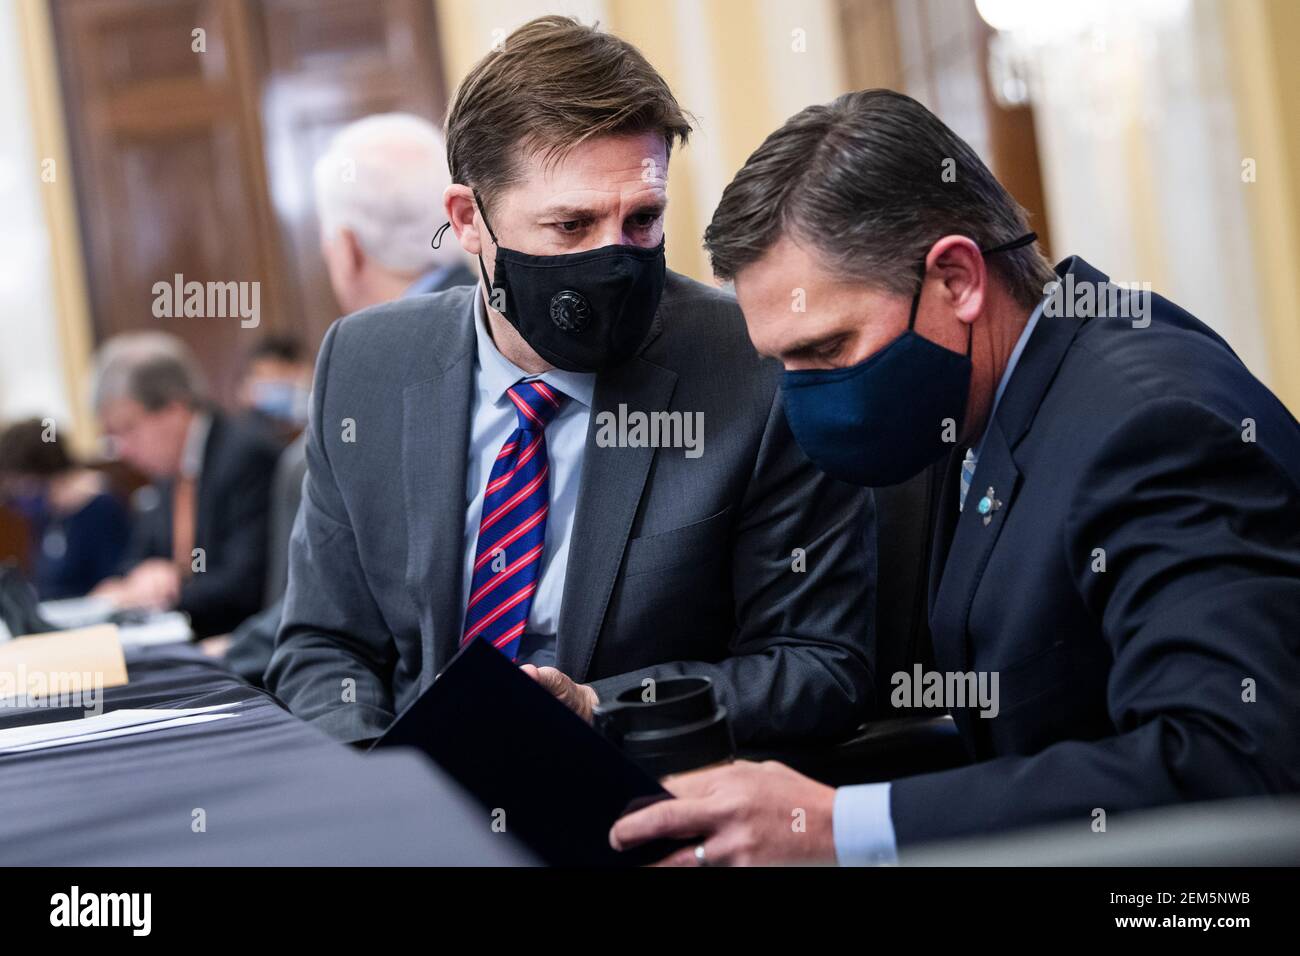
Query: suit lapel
{"points": [[945, 521], [203, 500], [955, 577], [995, 484], [435, 438], [613, 479]]}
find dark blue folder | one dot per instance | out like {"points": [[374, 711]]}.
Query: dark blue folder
{"points": [[535, 766]]}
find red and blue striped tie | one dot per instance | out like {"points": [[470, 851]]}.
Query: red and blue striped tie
{"points": [[512, 530]]}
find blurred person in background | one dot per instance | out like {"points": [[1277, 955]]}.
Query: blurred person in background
{"points": [[78, 529], [275, 386], [378, 198], [200, 536]]}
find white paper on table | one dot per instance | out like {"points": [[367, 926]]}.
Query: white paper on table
{"points": [[160, 627], [119, 732], [115, 723], [77, 612]]}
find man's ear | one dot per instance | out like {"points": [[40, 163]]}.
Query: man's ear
{"points": [[462, 213], [959, 265], [349, 249], [176, 410], [344, 257]]}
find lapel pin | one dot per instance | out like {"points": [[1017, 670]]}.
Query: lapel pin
{"points": [[989, 504]]}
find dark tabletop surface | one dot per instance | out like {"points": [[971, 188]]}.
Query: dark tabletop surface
{"points": [[272, 790]]}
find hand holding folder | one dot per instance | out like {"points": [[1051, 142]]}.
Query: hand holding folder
{"points": [[537, 769]]}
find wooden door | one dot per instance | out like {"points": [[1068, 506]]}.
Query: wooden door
{"points": [[194, 125]]}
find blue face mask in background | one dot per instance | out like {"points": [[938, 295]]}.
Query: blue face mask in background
{"points": [[886, 418], [284, 401]]}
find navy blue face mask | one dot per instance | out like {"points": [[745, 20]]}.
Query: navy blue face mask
{"points": [[885, 419]]}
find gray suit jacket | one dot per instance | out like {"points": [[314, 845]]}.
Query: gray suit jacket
{"points": [[676, 565]]}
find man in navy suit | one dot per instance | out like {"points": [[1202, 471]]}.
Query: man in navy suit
{"points": [[1115, 577]]}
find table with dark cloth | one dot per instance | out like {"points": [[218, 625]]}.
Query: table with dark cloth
{"points": [[273, 790]]}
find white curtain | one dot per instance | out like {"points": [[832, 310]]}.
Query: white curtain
{"points": [[1142, 166], [32, 381]]}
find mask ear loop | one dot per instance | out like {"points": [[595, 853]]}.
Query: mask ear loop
{"points": [[487, 285], [437, 236], [1016, 243], [483, 212], [916, 301]]}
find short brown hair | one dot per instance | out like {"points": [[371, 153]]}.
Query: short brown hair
{"points": [[862, 179], [553, 84], [24, 451]]}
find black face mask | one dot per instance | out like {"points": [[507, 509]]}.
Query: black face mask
{"points": [[582, 312]]}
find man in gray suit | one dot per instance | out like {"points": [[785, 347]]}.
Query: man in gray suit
{"points": [[372, 198], [582, 460]]}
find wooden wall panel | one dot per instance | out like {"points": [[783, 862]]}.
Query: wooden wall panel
{"points": [[870, 36], [328, 62], [199, 163]]}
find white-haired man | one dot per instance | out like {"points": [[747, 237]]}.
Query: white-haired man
{"points": [[379, 189], [378, 195]]}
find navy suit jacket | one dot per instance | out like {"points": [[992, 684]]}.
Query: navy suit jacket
{"points": [[231, 522], [1137, 590]]}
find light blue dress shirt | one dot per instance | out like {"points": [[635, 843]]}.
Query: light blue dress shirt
{"points": [[861, 824], [492, 420]]}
